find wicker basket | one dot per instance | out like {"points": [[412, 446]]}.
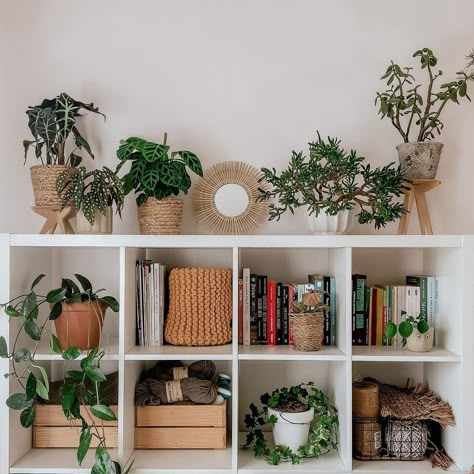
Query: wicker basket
{"points": [[43, 179], [160, 217], [308, 331], [200, 307]]}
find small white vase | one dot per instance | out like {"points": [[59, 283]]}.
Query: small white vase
{"points": [[102, 224], [326, 224], [418, 342], [291, 429]]}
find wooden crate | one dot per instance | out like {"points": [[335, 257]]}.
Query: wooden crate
{"points": [[181, 427], [52, 430]]}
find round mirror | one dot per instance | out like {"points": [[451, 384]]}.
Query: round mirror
{"points": [[231, 200]]}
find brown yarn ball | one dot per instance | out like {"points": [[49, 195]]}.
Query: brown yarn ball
{"points": [[143, 394], [194, 390], [163, 370]]}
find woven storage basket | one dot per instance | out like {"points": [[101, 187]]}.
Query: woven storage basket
{"points": [[200, 307], [407, 439], [308, 331], [160, 217], [43, 179]]}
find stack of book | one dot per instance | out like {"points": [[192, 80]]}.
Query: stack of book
{"points": [[150, 303], [265, 306], [373, 307]]}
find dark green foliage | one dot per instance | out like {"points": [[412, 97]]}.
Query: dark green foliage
{"points": [[406, 327], [323, 432], [403, 104], [154, 171], [333, 180], [91, 191], [51, 123]]}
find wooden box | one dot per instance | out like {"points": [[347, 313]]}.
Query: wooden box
{"points": [[181, 427], [52, 430]]}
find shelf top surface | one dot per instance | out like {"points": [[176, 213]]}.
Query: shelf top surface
{"points": [[400, 354], [230, 241]]}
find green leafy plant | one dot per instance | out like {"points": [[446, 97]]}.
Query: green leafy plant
{"points": [[310, 303], [91, 191], [333, 180], [154, 171], [80, 389], [403, 104], [323, 431], [51, 123], [406, 327]]}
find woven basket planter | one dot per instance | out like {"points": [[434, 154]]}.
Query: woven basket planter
{"points": [[200, 307], [43, 179], [308, 331], [160, 217]]}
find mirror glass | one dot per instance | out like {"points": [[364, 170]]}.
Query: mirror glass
{"points": [[231, 200]]}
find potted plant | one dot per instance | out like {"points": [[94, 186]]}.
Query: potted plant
{"points": [[80, 389], [403, 103], [331, 183], [415, 331], [93, 194], [51, 123], [156, 175], [303, 420]]}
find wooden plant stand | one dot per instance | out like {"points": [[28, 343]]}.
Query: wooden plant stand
{"points": [[54, 217], [416, 194]]}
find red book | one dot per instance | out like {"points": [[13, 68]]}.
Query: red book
{"points": [[291, 297], [271, 311], [241, 311]]}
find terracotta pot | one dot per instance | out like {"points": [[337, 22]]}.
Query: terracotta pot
{"points": [[80, 325], [102, 224], [160, 217], [43, 179], [420, 160]]}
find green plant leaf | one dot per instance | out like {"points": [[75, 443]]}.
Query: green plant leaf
{"points": [[37, 280], [85, 283], [75, 374], [75, 160], [405, 329], [30, 387], [150, 179], [22, 355], [192, 162], [18, 401], [95, 374], [56, 295], [71, 353], [111, 302], [390, 330], [46, 127], [67, 395], [41, 390], [28, 306], [84, 444], [172, 175], [155, 152], [70, 286], [56, 311], [103, 461], [12, 312], [44, 374], [32, 329], [423, 326], [27, 417], [103, 412], [55, 344], [3, 348]]}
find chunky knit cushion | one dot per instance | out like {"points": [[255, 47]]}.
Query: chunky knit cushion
{"points": [[200, 307]]}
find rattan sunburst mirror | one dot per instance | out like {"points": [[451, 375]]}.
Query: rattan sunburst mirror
{"points": [[225, 199]]}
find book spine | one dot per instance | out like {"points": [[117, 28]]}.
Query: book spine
{"points": [[264, 309], [278, 314], [246, 305], [284, 312], [326, 299], [333, 309], [292, 294], [359, 282], [366, 314], [253, 309], [389, 310], [422, 283], [241, 311], [436, 306], [385, 316], [261, 337], [271, 313]]}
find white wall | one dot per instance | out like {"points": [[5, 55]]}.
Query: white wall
{"points": [[230, 80]]}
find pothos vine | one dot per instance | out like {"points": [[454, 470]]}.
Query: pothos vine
{"points": [[323, 430]]}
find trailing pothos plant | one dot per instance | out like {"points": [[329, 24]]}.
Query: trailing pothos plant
{"points": [[80, 389], [154, 171], [332, 180], [51, 123], [91, 190], [323, 430]]}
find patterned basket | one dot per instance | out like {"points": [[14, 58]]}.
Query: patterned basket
{"points": [[160, 217], [308, 331], [200, 307]]}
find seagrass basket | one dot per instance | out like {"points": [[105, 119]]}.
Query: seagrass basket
{"points": [[308, 331], [160, 217], [200, 307], [43, 179]]}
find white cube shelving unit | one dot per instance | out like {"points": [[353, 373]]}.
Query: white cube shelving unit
{"points": [[109, 261]]}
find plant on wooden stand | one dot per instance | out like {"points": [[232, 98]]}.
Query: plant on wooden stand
{"points": [[52, 123], [403, 104], [331, 183], [416, 332], [93, 194], [80, 390], [304, 424], [156, 175]]}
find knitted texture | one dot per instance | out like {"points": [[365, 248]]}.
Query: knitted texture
{"points": [[200, 307]]}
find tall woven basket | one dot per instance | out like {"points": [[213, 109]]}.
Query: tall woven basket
{"points": [[308, 331], [160, 217], [43, 179], [200, 307]]}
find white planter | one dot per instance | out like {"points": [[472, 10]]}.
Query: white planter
{"points": [[291, 429], [102, 224], [418, 342], [325, 224]]}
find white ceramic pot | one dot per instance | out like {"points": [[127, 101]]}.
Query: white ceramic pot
{"points": [[418, 342], [325, 224], [102, 224], [291, 429]]}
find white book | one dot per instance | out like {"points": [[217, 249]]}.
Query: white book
{"points": [[156, 304], [402, 306], [162, 303], [151, 304], [246, 306]]}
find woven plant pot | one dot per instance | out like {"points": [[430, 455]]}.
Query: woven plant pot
{"points": [[102, 224], [308, 331], [43, 179], [160, 217]]}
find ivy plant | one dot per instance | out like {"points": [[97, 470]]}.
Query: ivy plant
{"points": [[91, 190], [155, 171], [51, 123], [333, 180], [404, 105], [80, 389], [323, 431], [406, 327]]}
